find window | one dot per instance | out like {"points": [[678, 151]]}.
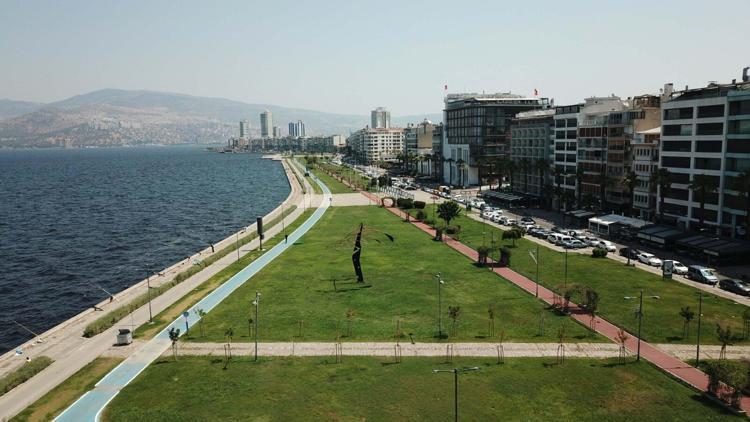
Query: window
{"points": [[681, 146], [739, 127], [710, 129], [571, 134], [738, 146], [560, 123], [675, 193], [674, 209], [738, 164], [708, 146], [711, 111], [708, 163], [678, 113], [678, 162], [737, 108], [682, 178], [708, 215], [559, 134], [572, 122], [677, 130]]}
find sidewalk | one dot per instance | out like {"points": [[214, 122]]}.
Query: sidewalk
{"points": [[72, 352], [649, 352]]}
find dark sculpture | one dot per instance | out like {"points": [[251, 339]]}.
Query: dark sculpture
{"points": [[356, 255]]}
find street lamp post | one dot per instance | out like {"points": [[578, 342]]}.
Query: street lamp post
{"points": [[256, 303], [148, 286], [639, 314], [440, 283], [237, 244], [698, 341], [566, 268], [456, 371]]}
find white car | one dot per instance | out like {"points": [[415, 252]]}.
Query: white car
{"points": [[606, 244], [649, 259], [502, 220], [573, 243], [677, 267]]}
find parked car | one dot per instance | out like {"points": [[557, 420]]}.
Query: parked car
{"points": [[573, 243], [735, 286], [677, 267], [649, 259], [606, 244], [554, 238], [503, 221], [528, 220], [702, 274], [629, 253], [511, 222]]}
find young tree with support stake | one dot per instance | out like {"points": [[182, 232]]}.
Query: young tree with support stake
{"points": [[687, 315]]}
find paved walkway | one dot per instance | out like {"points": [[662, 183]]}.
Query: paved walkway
{"points": [[89, 406], [649, 352]]}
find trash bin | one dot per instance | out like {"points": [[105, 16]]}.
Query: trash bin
{"points": [[125, 337]]}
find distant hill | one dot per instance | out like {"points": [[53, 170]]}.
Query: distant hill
{"points": [[12, 108], [135, 116]]}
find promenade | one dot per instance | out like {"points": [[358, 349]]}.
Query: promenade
{"points": [[89, 406], [71, 351]]}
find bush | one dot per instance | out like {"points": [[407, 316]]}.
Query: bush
{"points": [[405, 203], [599, 253], [419, 205], [453, 229], [24, 373], [420, 215], [505, 255]]}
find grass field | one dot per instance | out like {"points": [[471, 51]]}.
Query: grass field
{"points": [[59, 398], [613, 281], [400, 285], [358, 389], [162, 319], [334, 185]]}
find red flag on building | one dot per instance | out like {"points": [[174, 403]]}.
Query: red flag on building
{"points": [[536, 92], [446, 87]]}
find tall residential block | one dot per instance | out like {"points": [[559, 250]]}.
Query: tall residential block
{"points": [[266, 124], [380, 118]]}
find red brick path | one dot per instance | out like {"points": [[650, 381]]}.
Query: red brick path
{"points": [[661, 359]]}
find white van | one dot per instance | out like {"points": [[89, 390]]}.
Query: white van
{"points": [[554, 238]]}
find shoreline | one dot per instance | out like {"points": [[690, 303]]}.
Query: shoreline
{"points": [[158, 278]]}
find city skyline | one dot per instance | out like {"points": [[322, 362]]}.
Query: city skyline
{"points": [[48, 61]]}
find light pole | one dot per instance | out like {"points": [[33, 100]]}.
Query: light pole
{"points": [[536, 261], [440, 283], [148, 286], [698, 341], [566, 268], [639, 314], [237, 244], [455, 371], [256, 303]]}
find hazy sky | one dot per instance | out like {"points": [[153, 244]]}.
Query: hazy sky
{"points": [[350, 56]]}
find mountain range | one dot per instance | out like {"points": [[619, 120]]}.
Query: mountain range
{"points": [[119, 117]]}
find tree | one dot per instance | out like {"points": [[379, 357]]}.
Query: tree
{"points": [[701, 185], [592, 305], [512, 169], [229, 334], [448, 210], [622, 338], [174, 335], [579, 180], [724, 335], [631, 181], [524, 165], [454, 312], [201, 313], [605, 181], [542, 167], [742, 186], [558, 175], [662, 178], [491, 315], [513, 234], [350, 314], [461, 166], [687, 314]]}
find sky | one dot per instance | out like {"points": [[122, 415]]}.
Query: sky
{"points": [[352, 56]]}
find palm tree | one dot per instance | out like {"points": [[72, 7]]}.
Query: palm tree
{"points": [[542, 166], [662, 178], [525, 164], [547, 191], [742, 185], [605, 181], [631, 181], [499, 167], [461, 166], [701, 185], [511, 168], [579, 179], [481, 161], [687, 314], [558, 175], [454, 312]]}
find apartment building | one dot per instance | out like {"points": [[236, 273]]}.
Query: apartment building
{"points": [[381, 144], [706, 131], [532, 144], [477, 131], [566, 143], [418, 147], [645, 162]]}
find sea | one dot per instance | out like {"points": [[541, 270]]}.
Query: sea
{"points": [[78, 223]]}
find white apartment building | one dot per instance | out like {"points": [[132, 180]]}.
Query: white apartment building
{"points": [[566, 135], [645, 147], [382, 144], [707, 131]]}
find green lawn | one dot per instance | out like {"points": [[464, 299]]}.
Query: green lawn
{"points": [[334, 185], [400, 285], [613, 281], [59, 398], [372, 389]]}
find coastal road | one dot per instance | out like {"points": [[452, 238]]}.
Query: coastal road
{"points": [[89, 406]]}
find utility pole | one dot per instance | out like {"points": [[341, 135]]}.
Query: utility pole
{"points": [[640, 322], [148, 286], [440, 282], [698, 342], [256, 302], [566, 268]]}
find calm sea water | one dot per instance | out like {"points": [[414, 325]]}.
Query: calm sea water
{"points": [[73, 218]]}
